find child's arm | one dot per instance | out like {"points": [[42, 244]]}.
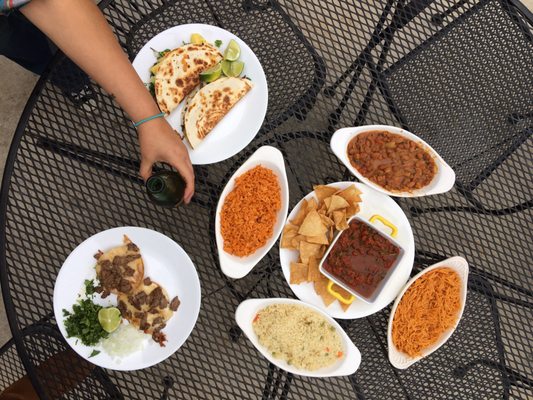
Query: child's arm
{"points": [[80, 30]]}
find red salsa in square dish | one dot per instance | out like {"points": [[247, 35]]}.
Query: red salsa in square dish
{"points": [[361, 258]]}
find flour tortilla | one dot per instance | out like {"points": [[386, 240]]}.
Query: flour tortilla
{"points": [[211, 104], [178, 73]]}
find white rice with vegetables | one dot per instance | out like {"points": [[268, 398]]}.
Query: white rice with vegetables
{"points": [[298, 335]]}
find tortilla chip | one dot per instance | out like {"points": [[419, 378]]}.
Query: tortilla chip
{"points": [[300, 215], [327, 202], [326, 220], [340, 220], [312, 225], [298, 273], [308, 250], [323, 191], [312, 204], [289, 232], [295, 242], [345, 306], [350, 194], [319, 239], [313, 272], [337, 203], [322, 291], [352, 210]]}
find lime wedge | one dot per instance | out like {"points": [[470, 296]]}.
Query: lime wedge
{"points": [[232, 68], [233, 51], [211, 74], [109, 318], [196, 38]]}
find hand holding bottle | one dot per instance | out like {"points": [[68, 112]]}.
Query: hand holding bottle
{"points": [[159, 142]]}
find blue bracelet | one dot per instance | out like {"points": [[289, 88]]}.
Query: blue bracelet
{"points": [[142, 121]]}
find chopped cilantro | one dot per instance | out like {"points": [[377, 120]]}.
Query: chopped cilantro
{"points": [[184, 42], [89, 286], [83, 323], [94, 353], [162, 53], [218, 42]]}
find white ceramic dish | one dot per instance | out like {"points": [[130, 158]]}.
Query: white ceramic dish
{"points": [[238, 267], [441, 183], [165, 262], [401, 360], [385, 280], [244, 120], [245, 314], [372, 202]]}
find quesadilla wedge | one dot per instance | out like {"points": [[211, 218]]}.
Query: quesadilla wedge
{"points": [[178, 73], [211, 104]]}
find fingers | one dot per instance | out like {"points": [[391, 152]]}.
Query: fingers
{"points": [[146, 169], [184, 167]]}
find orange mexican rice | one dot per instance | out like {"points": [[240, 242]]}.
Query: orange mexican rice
{"points": [[249, 212]]}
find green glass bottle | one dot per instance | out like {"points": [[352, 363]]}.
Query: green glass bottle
{"points": [[165, 188]]}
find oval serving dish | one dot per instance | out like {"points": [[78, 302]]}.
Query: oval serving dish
{"points": [[271, 158], [248, 309], [401, 360], [442, 182]]}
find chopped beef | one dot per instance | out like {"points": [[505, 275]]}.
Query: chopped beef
{"points": [[105, 293], [134, 301], [175, 303], [147, 281], [132, 247], [159, 337], [124, 286], [122, 307], [155, 296], [138, 315], [157, 321], [99, 289], [144, 325], [124, 260], [163, 303], [128, 271], [154, 311], [109, 276]]}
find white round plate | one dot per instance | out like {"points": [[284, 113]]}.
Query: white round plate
{"points": [[401, 360], [245, 314], [241, 124], [372, 202], [269, 157], [441, 183], [165, 262]]}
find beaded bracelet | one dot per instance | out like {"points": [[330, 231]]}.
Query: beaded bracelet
{"points": [[142, 121]]}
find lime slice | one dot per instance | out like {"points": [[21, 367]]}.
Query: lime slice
{"points": [[232, 68], [196, 38], [211, 74], [233, 51], [110, 318]]}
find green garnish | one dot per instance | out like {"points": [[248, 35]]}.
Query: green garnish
{"points": [[218, 42], [162, 53], [83, 323], [89, 286], [94, 353]]}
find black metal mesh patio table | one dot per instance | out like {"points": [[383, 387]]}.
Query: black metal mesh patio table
{"points": [[457, 73]]}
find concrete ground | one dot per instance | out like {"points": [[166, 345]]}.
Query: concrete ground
{"points": [[17, 84]]}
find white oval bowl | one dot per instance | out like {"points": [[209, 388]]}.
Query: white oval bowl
{"points": [[401, 360], [441, 183], [238, 267], [245, 314]]}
